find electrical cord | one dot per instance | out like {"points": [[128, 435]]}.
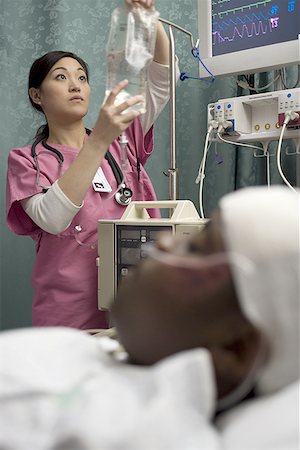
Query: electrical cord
{"points": [[245, 85], [238, 143], [201, 171], [268, 169], [297, 144], [264, 148], [289, 115], [283, 78], [226, 124]]}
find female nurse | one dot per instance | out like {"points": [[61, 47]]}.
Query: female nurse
{"points": [[58, 188]]}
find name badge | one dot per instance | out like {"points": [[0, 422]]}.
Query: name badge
{"points": [[100, 183]]}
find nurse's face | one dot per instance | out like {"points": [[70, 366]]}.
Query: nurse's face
{"points": [[64, 95]]}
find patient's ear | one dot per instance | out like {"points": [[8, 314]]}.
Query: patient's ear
{"points": [[234, 362]]}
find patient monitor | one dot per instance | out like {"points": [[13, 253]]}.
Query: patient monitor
{"points": [[120, 241]]}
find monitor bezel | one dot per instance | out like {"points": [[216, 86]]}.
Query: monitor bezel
{"points": [[259, 59]]}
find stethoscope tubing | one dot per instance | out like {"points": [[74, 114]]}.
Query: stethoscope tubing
{"points": [[123, 194]]}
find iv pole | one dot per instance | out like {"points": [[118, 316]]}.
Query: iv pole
{"points": [[173, 171]]}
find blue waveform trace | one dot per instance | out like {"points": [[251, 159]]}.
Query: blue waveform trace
{"points": [[256, 30], [235, 21]]}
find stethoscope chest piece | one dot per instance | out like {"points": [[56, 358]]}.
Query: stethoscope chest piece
{"points": [[123, 195]]}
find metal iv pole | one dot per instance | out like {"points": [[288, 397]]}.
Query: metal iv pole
{"points": [[173, 171]]}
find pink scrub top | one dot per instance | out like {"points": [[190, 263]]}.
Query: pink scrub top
{"points": [[65, 274]]}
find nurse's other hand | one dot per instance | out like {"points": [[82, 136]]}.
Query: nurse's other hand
{"points": [[148, 4], [113, 119]]}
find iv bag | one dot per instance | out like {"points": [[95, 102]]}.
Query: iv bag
{"points": [[130, 48]]}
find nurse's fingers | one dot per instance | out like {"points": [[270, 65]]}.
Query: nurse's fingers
{"points": [[126, 118], [110, 101], [130, 101], [118, 103]]}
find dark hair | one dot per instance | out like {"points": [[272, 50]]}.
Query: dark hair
{"points": [[38, 72]]}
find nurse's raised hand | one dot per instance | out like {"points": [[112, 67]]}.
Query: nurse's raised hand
{"points": [[113, 119]]}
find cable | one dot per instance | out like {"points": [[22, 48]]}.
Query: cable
{"points": [[268, 169], [196, 54], [238, 143], [245, 85], [283, 78], [252, 147], [297, 144], [201, 174], [278, 157], [289, 115]]}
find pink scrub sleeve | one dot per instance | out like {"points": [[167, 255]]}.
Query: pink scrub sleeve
{"points": [[20, 184]]}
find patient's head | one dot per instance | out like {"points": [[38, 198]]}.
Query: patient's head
{"points": [[216, 290]]}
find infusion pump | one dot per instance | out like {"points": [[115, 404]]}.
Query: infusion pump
{"points": [[120, 242]]}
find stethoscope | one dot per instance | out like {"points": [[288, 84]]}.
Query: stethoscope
{"points": [[123, 194]]}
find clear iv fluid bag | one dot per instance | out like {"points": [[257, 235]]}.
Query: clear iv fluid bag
{"points": [[130, 48]]}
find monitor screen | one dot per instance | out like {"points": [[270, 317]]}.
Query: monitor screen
{"points": [[242, 36]]}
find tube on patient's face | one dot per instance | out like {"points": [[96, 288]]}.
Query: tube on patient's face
{"points": [[193, 262]]}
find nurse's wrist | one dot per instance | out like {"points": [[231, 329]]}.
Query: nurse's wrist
{"points": [[96, 144]]}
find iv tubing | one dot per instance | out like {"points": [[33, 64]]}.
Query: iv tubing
{"points": [[123, 144]]}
